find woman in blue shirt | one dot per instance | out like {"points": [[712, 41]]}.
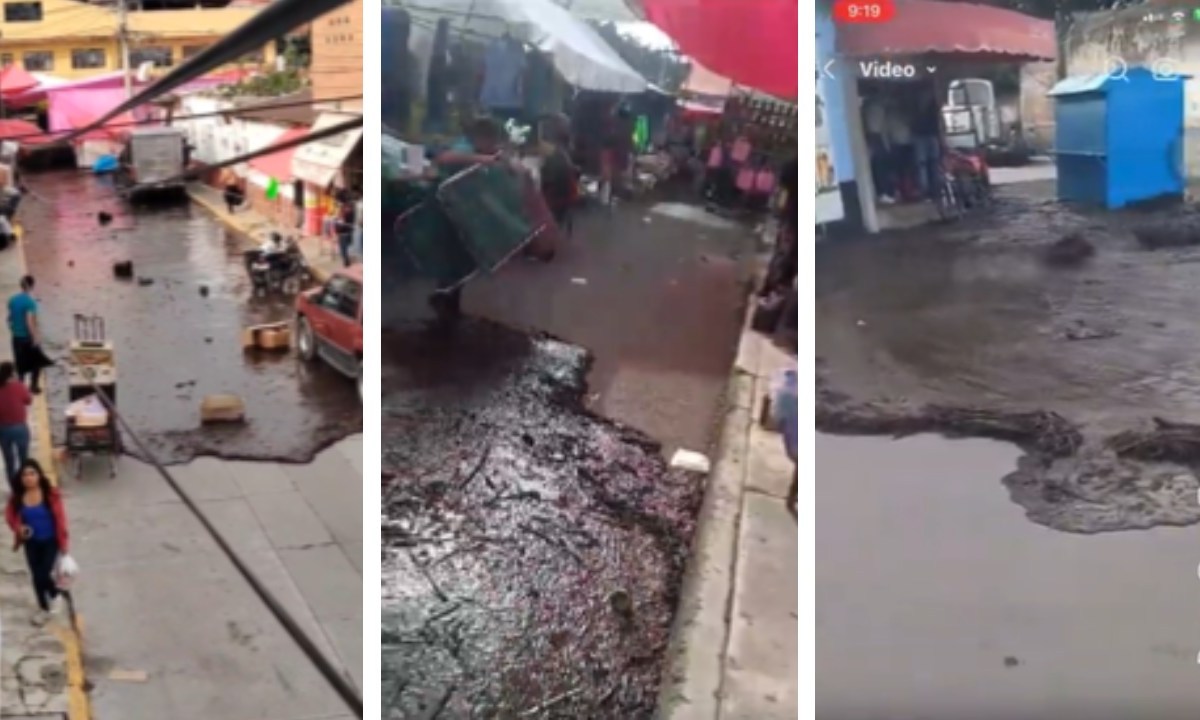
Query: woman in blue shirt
{"points": [[39, 523]]}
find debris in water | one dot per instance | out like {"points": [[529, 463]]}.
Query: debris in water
{"points": [[1011, 662], [579, 281], [123, 270], [1070, 251], [104, 218], [145, 281], [1081, 331], [691, 461], [203, 291], [222, 409]]}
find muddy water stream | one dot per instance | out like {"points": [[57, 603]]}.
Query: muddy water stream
{"points": [[973, 317], [532, 551], [937, 599], [177, 338]]}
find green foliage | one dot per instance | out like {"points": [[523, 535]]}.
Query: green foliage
{"points": [[274, 84]]}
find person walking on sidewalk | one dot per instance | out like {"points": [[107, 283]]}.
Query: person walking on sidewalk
{"points": [[345, 231], [39, 524], [15, 399], [26, 335]]}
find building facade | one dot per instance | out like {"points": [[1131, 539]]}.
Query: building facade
{"points": [[71, 39], [337, 56]]}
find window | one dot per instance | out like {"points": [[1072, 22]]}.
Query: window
{"points": [[15, 12], [88, 59], [159, 56], [38, 61], [191, 51], [341, 295]]}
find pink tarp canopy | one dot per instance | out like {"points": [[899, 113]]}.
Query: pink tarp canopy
{"points": [[920, 27], [751, 42], [79, 107]]}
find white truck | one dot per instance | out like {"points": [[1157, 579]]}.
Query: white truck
{"points": [[153, 161]]}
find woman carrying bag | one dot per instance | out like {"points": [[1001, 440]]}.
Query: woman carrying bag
{"points": [[39, 524]]}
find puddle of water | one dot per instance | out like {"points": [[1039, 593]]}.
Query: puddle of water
{"points": [[173, 344], [938, 599]]}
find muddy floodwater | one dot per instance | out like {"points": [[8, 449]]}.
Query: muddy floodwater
{"points": [[176, 333], [937, 599], [978, 329], [532, 551]]}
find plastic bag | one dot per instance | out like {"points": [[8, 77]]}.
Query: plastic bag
{"points": [[65, 571]]}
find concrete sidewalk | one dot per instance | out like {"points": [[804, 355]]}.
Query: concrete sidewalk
{"points": [[321, 254], [734, 646], [41, 669]]}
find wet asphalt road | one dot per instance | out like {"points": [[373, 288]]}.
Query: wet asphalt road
{"points": [[173, 344], [534, 539]]}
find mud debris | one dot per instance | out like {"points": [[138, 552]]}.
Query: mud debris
{"points": [[1070, 251], [533, 552]]}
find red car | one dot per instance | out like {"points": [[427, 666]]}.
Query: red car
{"points": [[329, 323]]}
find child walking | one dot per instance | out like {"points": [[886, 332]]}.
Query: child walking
{"points": [[39, 524]]}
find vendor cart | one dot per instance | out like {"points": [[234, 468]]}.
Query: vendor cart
{"points": [[92, 392], [446, 233]]}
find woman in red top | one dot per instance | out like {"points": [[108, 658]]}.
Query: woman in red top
{"points": [[14, 430], [39, 523]]}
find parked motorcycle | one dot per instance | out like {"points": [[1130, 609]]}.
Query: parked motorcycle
{"points": [[277, 271]]}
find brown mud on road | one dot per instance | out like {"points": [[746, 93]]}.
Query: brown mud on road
{"points": [[973, 329], [533, 552], [175, 342]]}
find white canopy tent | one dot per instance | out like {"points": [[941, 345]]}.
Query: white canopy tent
{"points": [[577, 51]]}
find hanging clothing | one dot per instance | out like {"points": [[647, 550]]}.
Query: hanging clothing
{"points": [[503, 64], [438, 82], [539, 85]]}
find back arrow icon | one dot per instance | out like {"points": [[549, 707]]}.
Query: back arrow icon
{"points": [[826, 71]]}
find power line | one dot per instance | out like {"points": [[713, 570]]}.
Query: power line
{"points": [[244, 110], [331, 131], [343, 686]]}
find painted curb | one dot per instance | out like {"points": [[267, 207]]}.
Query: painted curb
{"points": [[692, 683]]}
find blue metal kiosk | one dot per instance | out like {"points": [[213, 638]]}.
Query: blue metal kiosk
{"points": [[1119, 137]]}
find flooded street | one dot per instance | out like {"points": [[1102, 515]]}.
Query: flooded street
{"points": [[177, 333], [534, 537], [975, 329], [937, 599]]}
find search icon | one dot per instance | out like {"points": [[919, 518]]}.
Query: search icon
{"points": [[1117, 68]]}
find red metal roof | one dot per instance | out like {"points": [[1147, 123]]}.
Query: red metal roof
{"points": [[279, 164], [920, 27]]}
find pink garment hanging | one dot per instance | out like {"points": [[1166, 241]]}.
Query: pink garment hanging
{"points": [[715, 157], [745, 180], [741, 150], [764, 182]]}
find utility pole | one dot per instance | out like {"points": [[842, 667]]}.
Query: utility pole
{"points": [[123, 41]]}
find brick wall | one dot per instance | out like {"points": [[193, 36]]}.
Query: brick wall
{"points": [[337, 55]]}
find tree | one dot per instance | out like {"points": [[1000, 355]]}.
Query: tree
{"points": [[665, 68]]}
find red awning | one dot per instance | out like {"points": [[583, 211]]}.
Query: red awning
{"points": [[278, 165], [920, 27], [753, 43], [22, 132], [14, 80]]}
